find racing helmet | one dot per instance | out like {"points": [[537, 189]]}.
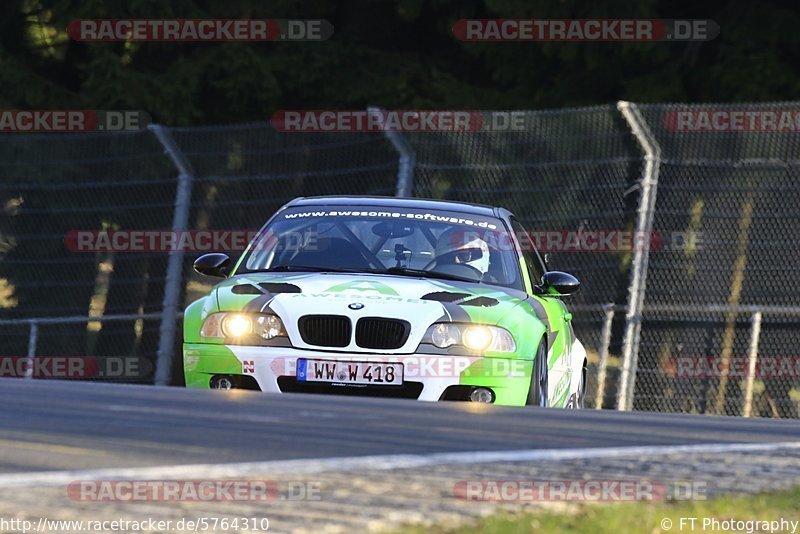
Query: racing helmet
{"points": [[458, 246]]}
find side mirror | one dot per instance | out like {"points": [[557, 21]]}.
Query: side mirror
{"points": [[214, 264], [557, 284]]}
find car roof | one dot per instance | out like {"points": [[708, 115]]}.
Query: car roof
{"points": [[395, 202]]}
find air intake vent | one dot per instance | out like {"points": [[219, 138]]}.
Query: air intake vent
{"points": [[325, 330], [482, 302], [276, 287], [444, 296], [379, 333], [246, 289], [280, 287]]}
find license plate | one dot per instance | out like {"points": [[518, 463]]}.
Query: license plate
{"points": [[361, 373]]}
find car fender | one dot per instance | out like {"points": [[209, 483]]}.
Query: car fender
{"points": [[526, 327], [194, 316]]}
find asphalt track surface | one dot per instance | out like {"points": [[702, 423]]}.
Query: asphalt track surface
{"points": [[52, 425]]}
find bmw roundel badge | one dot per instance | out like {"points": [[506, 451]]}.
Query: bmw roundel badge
{"points": [[355, 306]]}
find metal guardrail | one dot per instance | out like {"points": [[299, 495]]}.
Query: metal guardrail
{"points": [[756, 317], [33, 324]]}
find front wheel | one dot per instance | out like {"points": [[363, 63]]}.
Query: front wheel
{"points": [[577, 400], [580, 403], [537, 394]]}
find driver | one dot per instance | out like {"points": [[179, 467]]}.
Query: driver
{"points": [[462, 247]]}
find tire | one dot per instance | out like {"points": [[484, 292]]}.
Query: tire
{"points": [[577, 401], [580, 404], [537, 394]]}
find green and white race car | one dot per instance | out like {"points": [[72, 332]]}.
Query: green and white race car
{"points": [[375, 296]]}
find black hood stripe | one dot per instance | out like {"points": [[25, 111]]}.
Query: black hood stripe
{"points": [[260, 304]]}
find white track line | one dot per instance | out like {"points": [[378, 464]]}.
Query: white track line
{"points": [[376, 463]]}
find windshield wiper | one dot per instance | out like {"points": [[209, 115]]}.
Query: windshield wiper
{"points": [[408, 271]]}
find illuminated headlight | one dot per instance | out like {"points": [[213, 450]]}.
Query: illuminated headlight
{"points": [[237, 325], [475, 337]]}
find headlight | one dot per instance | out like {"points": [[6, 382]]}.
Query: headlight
{"points": [[445, 335], [475, 337], [269, 326], [237, 325]]}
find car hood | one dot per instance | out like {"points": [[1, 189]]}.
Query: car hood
{"points": [[420, 301]]}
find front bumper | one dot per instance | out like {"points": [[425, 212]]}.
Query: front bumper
{"points": [[427, 377]]}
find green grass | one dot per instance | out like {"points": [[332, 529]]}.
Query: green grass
{"points": [[637, 517]]}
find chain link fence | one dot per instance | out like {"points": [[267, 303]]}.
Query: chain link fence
{"points": [[736, 194], [715, 290], [53, 184]]}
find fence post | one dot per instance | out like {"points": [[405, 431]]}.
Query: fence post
{"points": [[641, 255], [406, 162], [602, 366], [33, 339], [174, 276], [755, 334]]}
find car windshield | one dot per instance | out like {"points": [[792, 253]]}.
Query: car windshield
{"points": [[411, 242]]}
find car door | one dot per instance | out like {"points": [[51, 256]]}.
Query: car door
{"points": [[558, 318]]}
